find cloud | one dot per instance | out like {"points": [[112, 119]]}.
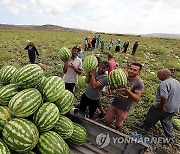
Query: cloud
{"points": [[118, 16]]}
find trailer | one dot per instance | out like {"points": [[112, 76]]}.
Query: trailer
{"points": [[105, 140]]}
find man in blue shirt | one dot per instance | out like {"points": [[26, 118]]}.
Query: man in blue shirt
{"points": [[167, 103]]}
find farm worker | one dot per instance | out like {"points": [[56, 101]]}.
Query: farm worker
{"points": [[118, 43], [102, 46], [125, 46], [125, 97], [32, 51], [86, 44], [89, 43], [112, 66], [71, 69], [110, 44], [96, 80], [80, 54], [94, 42], [167, 104], [98, 41], [134, 48]]}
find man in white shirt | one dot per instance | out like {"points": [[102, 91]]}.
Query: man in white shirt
{"points": [[71, 69]]}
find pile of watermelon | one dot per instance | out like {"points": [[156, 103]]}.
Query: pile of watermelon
{"points": [[32, 113]]}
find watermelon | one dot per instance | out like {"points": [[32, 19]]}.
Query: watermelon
{"points": [[1, 85], [52, 87], [4, 116], [25, 103], [65, 54], [3, 148], [90, 63], [39, 86], [6, 74], [46, 116], [7, 92], [176, 123], [117, 78], [28, 76], [20, 135], [64, 127], [52, 143], [65, 102], [79, 135]]}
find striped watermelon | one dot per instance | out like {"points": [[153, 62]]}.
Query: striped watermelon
{"points": [[4, 116], [89, 63], [65, 102], [7, 92], [176, 123], [52, 143], [79, 135], [65, 54], [46, 116], [25, 103], [20, 135], [3, 148], [6, 74], [28, 76], [64, 127], [39, 86], [117, 78], [52, 88], [1, 85]]}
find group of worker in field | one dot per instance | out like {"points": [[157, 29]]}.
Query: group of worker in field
{"points": [[98, 42], [167, 95]]}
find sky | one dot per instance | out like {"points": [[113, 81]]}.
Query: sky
{"points": [[110, 16]]}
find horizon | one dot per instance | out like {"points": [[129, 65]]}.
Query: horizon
{"points": [[115, 16]]}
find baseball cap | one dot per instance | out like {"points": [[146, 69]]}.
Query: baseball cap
{"points": [[105, 64]]}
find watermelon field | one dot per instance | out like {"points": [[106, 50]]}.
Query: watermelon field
{"points": [[152, 53]]}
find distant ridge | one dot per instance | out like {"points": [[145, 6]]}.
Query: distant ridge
{"points": [[162, 35], [56, 27], [46, 26]]}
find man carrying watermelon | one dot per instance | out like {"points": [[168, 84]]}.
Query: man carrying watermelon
{"points": [[71, 69], [96, 80], [167, 104], [125, 97]]}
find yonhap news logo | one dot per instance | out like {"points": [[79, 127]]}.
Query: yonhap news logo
{"points": [[103, 139]]}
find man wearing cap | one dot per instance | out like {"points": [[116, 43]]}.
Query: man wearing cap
{"points": [[96, 80], [71, 69]]}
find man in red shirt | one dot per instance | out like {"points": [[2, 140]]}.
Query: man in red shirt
{"points": [[112, 66]]}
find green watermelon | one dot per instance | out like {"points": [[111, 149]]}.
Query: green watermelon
{"points": [[4, 116], [46, 116], [79, 135], [65, 54], [64, 127], [90, 63], [7, 92], [3, 148], [52, 143], [39, 86], [25, 103], [1, 85], [6, 74], [65, 102], [117, 78], [28, 76], [176, 123], [52, 88], [20, 135]]}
